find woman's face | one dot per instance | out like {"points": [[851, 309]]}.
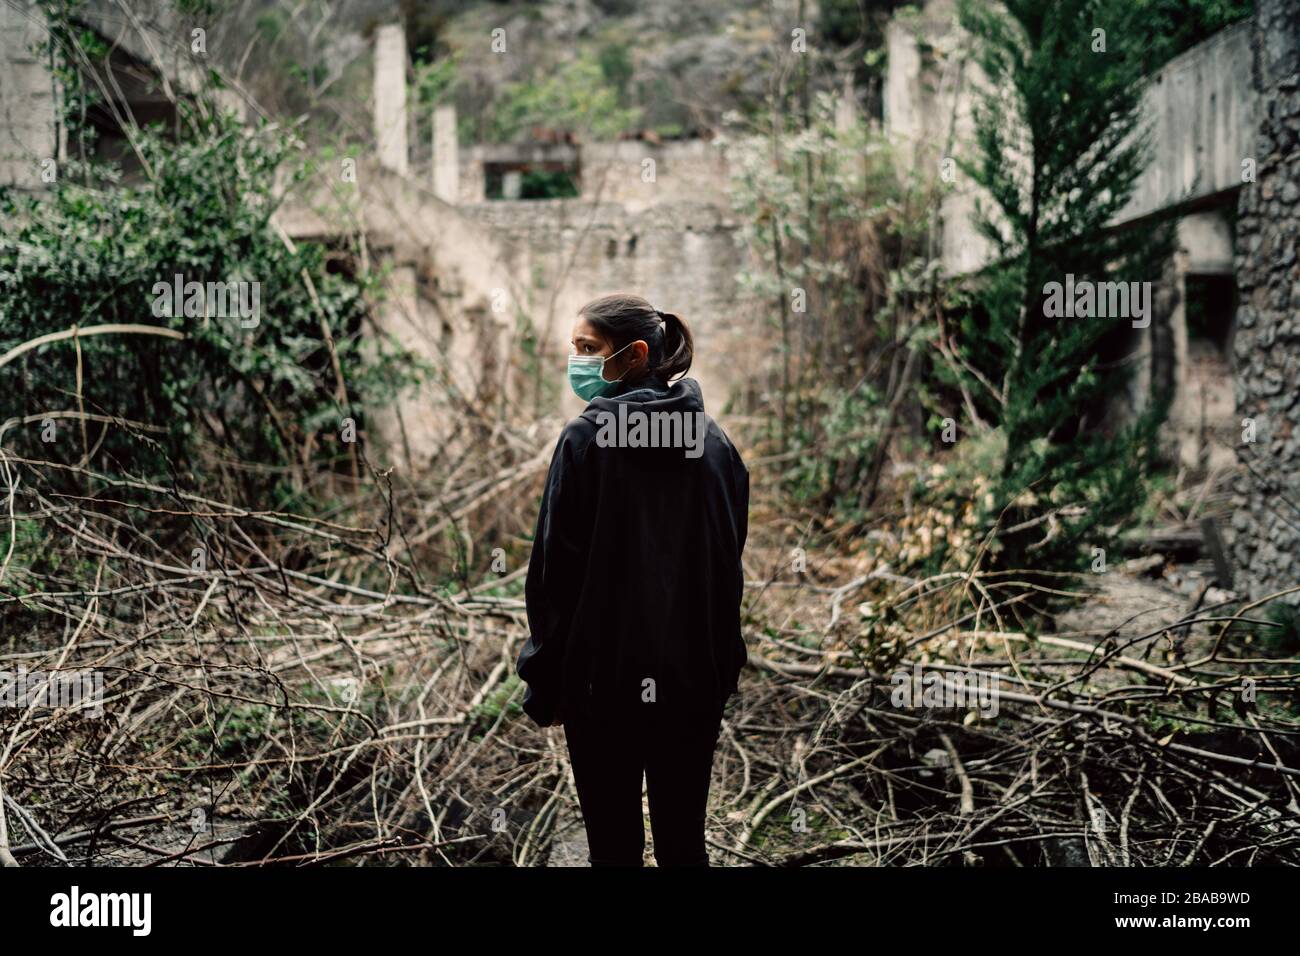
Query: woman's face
{"points": [[589, 340]]}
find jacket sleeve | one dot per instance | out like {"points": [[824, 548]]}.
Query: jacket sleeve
{"points": [[555, 572], [742, 513]]}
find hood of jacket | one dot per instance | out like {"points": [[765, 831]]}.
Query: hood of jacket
{"points": [[652, 419]]}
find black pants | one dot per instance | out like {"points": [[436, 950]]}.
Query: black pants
{"points": [[610, 750]]}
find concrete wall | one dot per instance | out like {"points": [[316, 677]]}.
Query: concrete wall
{"points": [[679, 255], [690, 171], [694, 170], [924, 56], [467, 280], [149, 32], [928, 102], [1202, 110]]}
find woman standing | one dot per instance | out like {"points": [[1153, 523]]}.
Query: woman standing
{"points": [[634, 585]]}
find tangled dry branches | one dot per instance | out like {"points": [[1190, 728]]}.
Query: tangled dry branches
{"points": [[283, 689]]}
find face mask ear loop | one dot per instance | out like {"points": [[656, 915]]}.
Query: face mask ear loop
{"points": [[607, 358]]}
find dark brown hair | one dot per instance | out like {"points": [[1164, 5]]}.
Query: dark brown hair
{"points": [[623, 318]]}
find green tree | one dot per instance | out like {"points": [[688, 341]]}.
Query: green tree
{"points": [[1175, 25], [1058, 148], [271, 388], [576, 97]]}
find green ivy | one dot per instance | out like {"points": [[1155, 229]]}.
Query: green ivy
{"points": [[89, 251]]}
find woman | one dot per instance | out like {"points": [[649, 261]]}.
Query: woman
{"points": [[634, 585]]}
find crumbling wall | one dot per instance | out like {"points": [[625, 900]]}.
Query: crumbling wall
{"points": [[147, 34], [1266, 349], [635, 173], [641, 174], [681, 256], [1200, 108]]}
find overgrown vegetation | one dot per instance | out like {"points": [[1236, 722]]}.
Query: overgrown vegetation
{"points": [[1059, 149], [271, 385], [329, 680], [841, 268]]}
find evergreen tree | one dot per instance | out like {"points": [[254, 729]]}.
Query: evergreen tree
{"points": [[1058, 148]]}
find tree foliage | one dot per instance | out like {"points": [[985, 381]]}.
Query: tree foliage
{"points": [[91, 250], [1059, 146], [576, 97]]}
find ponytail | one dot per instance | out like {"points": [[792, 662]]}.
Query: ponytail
{"points": [[678, 348]]}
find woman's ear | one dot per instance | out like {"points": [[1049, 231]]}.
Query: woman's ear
{"points": [[633, 358]]}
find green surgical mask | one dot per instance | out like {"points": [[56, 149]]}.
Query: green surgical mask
{"points": [[587, 375]]}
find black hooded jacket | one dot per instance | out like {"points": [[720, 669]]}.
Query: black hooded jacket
{"points": [[635, 580]]}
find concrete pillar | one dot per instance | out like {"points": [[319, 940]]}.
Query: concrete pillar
{"points": [[446, 155], [903, 92], [390, 97], [32, 140], [846, 107], [402, 426], [1181, 423]]}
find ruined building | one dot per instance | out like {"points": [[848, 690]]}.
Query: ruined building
{"points": [[1225, 340], [479, 267]]}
